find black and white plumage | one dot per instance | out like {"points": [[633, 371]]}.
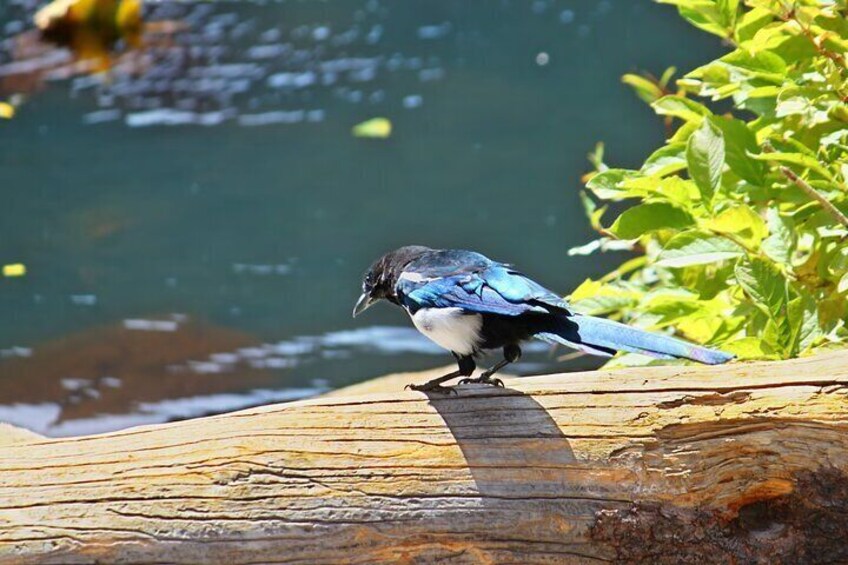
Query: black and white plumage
{"points": [[467, 303]]}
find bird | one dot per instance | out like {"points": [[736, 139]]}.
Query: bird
{"points": [[467, 304]]}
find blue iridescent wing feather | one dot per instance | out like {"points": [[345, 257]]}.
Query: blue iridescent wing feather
{"points": [[468, 280]]}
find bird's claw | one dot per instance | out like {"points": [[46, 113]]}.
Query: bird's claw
{"points": [[483, 379], [427, 387]]}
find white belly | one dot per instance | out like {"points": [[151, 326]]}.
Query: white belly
{"points": [[450, 328]]}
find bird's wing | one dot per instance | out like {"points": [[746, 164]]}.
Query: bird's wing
{"points": [[515, 286], [476, 285]]}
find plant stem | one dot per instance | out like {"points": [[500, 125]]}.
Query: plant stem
{"points": [[815, 195]]}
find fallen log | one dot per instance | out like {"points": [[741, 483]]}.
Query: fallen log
{"points": [[737, 463]]}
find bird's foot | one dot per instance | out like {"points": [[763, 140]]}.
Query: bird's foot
{"points": [[431, 387], [484, 379]]}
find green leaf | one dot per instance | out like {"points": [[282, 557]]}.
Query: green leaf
{"points": [[680, 107], [793, 49], [739, 141], [780, 243], [842, 287], [596, 157], [705, 159], [593, 212], [837, 263], [666, 76], [665, 160], [763, 282], [765, 63], [728, 10], [804, 318], [799, 159], [751, 22], [831, 313], [605, 185], [697, 247], [796, 106], [673, 189], [776, 339], [703, 14], [648, 217], [713, 74], [684, 132], [644, 88], [839, 113], [671, 306]]}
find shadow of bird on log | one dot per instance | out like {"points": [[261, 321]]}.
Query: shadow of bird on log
{"points": [[513, 447]]}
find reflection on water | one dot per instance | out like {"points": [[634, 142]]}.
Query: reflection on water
{"points": [[213, 169], [46, 418], [197, 63], [91, 28], [112, 369], [153, 370]]}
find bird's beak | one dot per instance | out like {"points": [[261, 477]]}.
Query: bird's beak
{"points": [[365, 301]]}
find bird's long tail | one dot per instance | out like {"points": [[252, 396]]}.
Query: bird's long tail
{"points": [[599, 336]]}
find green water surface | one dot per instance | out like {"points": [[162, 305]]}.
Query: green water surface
{"points": [[267, 229]]}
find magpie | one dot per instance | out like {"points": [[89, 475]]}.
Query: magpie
{"points": [[467, 303]]}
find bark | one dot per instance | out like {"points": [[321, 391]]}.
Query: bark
{"points": [[737, 463]]}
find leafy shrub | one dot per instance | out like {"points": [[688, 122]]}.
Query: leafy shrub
{"points": [[740, 216]]}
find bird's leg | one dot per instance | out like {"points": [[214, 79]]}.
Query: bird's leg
{"points": [[466, 367], [511, 354]]}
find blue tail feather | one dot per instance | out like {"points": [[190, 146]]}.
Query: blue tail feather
{"points": [[599, 336]]}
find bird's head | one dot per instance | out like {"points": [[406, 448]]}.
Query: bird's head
{"points": [[380, 280]]}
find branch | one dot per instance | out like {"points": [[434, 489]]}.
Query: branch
{"points": [[791, 14], [815, 195]]}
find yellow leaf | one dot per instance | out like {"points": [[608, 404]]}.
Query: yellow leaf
{"points": [[7, 110], [740, 221], [587, 289], [375, 128], [749, 348], [14, 270], [625, 268], [699, 330], [594, 297]]}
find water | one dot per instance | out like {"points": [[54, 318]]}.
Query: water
{"points": [[195, 226]]}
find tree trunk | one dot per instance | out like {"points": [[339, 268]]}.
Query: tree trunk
{"points": [[737, 463]]}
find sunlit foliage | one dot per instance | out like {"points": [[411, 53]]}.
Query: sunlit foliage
{"points": [[739, 218]]}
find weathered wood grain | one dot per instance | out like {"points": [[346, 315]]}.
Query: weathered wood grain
{"points": [[741, 462]]}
